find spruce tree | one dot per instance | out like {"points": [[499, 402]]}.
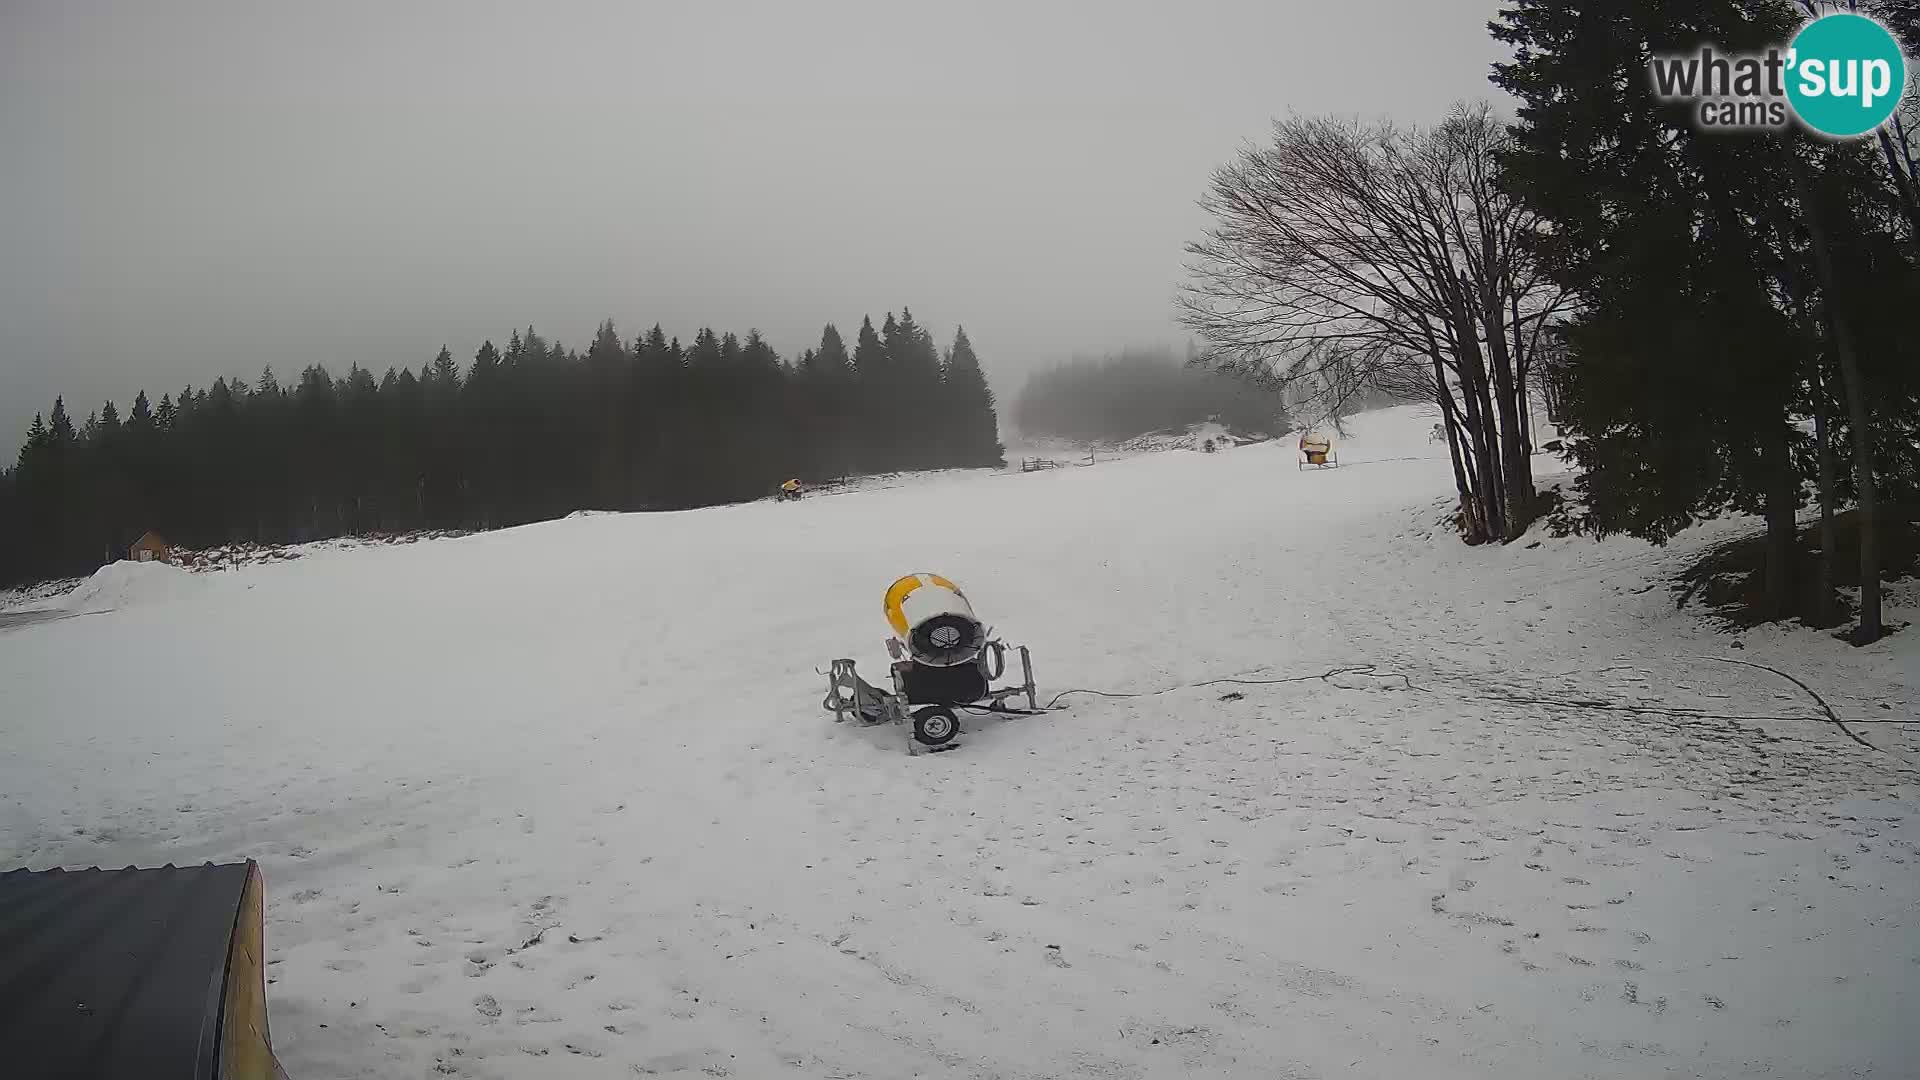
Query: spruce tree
{"points": [[60, 427], [829, 407], [876, 404], [974, 427], [704, 355], [38, 438], [757, 355], [41, 479], [1683, 372], [832, 355], [606, 386], [654, 354], [607, 352], [445, 371], [486, 364]]}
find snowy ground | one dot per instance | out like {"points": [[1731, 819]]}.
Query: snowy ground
{"points": [[558, 801]]}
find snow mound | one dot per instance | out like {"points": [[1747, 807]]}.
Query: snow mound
{"points": [[38, 595], [125, 583]]}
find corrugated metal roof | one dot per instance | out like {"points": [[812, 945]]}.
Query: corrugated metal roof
{"points": [[115, 973]]}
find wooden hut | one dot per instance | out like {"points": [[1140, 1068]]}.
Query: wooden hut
{"points": [[150, 548]]}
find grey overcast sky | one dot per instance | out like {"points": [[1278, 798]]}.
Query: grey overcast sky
{"points": [[189, 190]]}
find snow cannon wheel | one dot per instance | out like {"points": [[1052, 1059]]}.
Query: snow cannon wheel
{"points": [[935, 725]]}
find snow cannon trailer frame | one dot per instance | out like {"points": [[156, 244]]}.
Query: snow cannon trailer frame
{"points": [[944, 660]]}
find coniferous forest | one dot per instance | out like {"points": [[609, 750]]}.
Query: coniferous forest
{"points": [[521, 432]]}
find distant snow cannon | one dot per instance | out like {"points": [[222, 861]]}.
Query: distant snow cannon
{"points": [[945, 658], [1316, 450]]}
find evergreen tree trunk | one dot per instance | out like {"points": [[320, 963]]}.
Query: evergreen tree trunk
{"points": [[1824, 613], [1870, 628], [1778, 485], [1781, 503], [1822, 609], [1859, 420]]}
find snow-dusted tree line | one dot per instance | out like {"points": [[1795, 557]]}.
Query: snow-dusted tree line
{"points": [[531, 431]]}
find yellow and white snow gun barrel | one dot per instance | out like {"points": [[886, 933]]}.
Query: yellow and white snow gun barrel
{"points": [[932, 619]]}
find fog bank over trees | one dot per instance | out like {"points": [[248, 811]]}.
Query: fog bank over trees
{"points": [[1138, 390]]}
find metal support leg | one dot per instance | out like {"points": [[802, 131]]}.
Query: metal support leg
{"points": [[849, 697], [1026, 670], [843, 691]]}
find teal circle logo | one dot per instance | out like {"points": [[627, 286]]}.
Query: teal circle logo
{"points": [[1845, 75]]}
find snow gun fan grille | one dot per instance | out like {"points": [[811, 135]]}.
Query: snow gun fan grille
{"points": [[947, 640]]}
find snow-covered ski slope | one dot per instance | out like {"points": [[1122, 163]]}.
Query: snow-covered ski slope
{"points": [[559, 801]]}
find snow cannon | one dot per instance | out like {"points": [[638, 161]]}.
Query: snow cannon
{"points": [[1316, 450], [945, 659], [932, 621]]}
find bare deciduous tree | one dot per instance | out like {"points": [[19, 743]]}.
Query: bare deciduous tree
{"points": [[1348, 256]]}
